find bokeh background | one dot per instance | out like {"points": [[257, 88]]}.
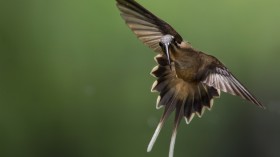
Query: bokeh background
{"points": [[74, 80]]}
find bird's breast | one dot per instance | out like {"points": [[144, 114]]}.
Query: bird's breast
{"points": [[186, 68], [187, 63], [187, 74]]}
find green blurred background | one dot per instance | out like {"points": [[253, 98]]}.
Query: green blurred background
{"points": [[74, 80]]}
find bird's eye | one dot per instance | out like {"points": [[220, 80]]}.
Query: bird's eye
{"points": [[160, 44]]}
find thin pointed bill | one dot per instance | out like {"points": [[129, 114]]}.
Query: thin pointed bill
{"points": [[165, 42], [166, 48]]}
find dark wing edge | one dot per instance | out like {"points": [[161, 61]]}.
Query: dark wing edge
{"points": [[221, 78], [147, 27]]}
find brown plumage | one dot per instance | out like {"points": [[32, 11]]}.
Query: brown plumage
{"points": [[187, 79]]}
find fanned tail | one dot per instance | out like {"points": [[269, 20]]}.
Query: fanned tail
{"points": [[187, 99]]}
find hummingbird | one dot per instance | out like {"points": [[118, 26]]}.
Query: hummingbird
{"points": [[187, 79]]}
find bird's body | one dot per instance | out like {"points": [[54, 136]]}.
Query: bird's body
{"points": [[188, 80]]}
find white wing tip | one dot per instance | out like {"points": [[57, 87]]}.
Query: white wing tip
{"points": [[153, 70], [158, 106], [153, 86], [188, 121]]}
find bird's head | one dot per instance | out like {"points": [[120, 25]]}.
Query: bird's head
{"points": [[164, 43]]}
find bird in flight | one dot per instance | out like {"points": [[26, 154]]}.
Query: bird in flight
{"points": [[187, 79]]}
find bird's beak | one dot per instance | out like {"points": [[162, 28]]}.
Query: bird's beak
{"points": [[166, 48]]}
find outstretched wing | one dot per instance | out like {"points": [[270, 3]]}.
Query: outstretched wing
{"points": [[219, 77], [147, 27]]}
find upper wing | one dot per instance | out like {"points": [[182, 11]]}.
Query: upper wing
{"points": [[148, 28], [220, 78]]}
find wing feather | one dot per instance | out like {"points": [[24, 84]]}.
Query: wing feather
{"points": [[147, 27], [220, 78]]}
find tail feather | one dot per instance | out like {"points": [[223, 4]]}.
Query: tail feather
{"points": [[167, 111], [159, 71], [155, 135], [197, 102], [178, 117], [189, 108], [161, 60], [186, 98], [163, 79], [166, 98]]}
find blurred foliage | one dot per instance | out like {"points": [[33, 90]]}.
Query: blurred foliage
{"points": [[74, 80]]}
